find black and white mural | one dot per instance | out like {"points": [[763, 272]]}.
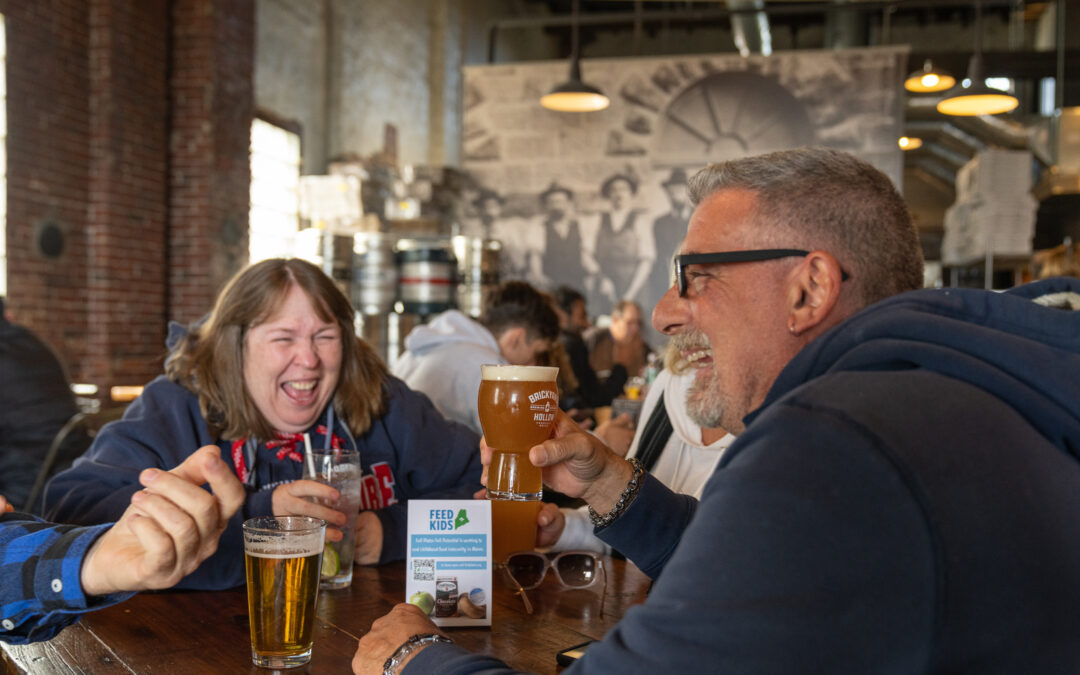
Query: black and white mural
{"points": [[598, 201]]}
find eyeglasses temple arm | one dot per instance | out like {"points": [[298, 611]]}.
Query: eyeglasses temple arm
{"points": [[603, 592], [520, 590], [525, 599]]}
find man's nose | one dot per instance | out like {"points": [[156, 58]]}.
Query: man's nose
{"points": [[671, 313]]}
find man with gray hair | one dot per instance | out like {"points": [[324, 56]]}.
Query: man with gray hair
{"points": [[904, 493]]}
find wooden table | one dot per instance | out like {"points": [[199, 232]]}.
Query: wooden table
{"points": [[207, 632]]}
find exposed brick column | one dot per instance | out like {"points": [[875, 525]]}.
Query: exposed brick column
{"points": [[126, 223], [47, 171], [212, 85]]}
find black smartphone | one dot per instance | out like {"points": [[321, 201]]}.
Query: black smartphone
{"points": [[571, 654]]}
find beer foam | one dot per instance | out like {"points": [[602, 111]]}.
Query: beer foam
{"points": [[263, 546], [519, 373], [282, 555], [290, 542]]}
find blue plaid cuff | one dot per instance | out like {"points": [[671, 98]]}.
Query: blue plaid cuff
{"points": [[40, 564]]}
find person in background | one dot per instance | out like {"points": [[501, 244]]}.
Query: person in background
{"points": [[573, 321], [560, 255], [621, 343], [493, 222], [442, 359], [1061, 261], [624, 241], [169, 528], [35, 402], [276, 360], [488, 206], [668, 232], [679, 441], [904, 492]]}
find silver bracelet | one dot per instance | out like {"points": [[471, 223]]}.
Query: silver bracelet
{"points": [[408, 647], [628, 495]]}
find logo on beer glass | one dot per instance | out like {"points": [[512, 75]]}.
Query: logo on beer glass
{"points": [[543, 405]]}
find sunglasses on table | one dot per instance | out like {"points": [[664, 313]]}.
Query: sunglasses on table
{"points": [[756, 255], [573, 569]]}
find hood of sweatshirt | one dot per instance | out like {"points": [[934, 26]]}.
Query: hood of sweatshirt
{"points": [[450, 327], [1022, 345]]}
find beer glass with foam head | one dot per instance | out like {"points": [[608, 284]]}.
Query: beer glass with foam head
{"points": [[517, 407], [282, 556]]}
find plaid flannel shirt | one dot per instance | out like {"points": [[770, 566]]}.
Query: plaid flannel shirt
{"points": [[40, 563]]}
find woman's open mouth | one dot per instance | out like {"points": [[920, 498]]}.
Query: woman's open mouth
{"points": [[300, 392]]}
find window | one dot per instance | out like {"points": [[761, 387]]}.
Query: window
{"points": [[275, 203]]}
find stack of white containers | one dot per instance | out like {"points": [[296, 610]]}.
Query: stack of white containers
{"points": [[994, 211]]}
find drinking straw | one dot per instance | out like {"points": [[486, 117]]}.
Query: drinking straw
{"points": [[310, 458]]}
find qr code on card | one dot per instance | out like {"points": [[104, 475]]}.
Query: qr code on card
{"points": [[423, 569]]}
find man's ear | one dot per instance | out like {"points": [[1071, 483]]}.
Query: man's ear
{"points": [[814, 287], [511, 341]]}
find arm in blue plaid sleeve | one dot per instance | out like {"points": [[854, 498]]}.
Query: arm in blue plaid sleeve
{"points": [[40, 564]]}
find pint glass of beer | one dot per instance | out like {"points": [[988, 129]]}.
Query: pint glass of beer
{"points": [[282, 556], [517, 407]]}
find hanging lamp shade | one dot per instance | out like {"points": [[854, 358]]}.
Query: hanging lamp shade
{"points": [[574, 95], [929, 79], [975, 98]]}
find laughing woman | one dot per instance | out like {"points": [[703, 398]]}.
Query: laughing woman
{"points": [[277, 358]]}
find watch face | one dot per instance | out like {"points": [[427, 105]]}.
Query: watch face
{"points": [[728, 115]]}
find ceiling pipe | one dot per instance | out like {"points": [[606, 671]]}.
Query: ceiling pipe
{"points": [[697, 16]]}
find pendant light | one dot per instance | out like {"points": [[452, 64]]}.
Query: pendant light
{"points": [[975, 98], [929, 79], [574, 95]]}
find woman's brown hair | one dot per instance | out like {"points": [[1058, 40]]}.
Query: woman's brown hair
{"points": [[210, 359]]}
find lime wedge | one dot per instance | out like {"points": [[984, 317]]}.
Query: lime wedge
{"points": [[331, 564]]}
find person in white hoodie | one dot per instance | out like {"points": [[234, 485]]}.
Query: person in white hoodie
{"points": [[442, 358], [678, 442]]}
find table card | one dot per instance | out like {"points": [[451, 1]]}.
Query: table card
{"points": [[448, 573]]}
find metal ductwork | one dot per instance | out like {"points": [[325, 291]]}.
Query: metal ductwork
{"points": [[750, 27]]}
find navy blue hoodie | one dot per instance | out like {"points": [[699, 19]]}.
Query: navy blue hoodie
{"points": [[410, 452], [906, 500]]}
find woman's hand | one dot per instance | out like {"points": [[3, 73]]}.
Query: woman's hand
{"points": [[550, 523], [295, 499], [617, 433], [369, 538]]}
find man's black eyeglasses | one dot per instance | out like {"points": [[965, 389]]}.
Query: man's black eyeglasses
{"points": [[681, 261]]}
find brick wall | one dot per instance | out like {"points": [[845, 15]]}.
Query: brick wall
{"points": [[212, 88], [48, 168], [128, 130], [125, 223]]}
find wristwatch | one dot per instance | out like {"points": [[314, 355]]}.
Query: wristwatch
{"points": [[408, 647]]}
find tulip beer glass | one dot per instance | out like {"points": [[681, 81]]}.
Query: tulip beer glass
{"points": [[282, 555], [517, 407], [340, 469]]}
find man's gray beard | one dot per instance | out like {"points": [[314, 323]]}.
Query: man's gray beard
{"points": [[703, 404]]}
